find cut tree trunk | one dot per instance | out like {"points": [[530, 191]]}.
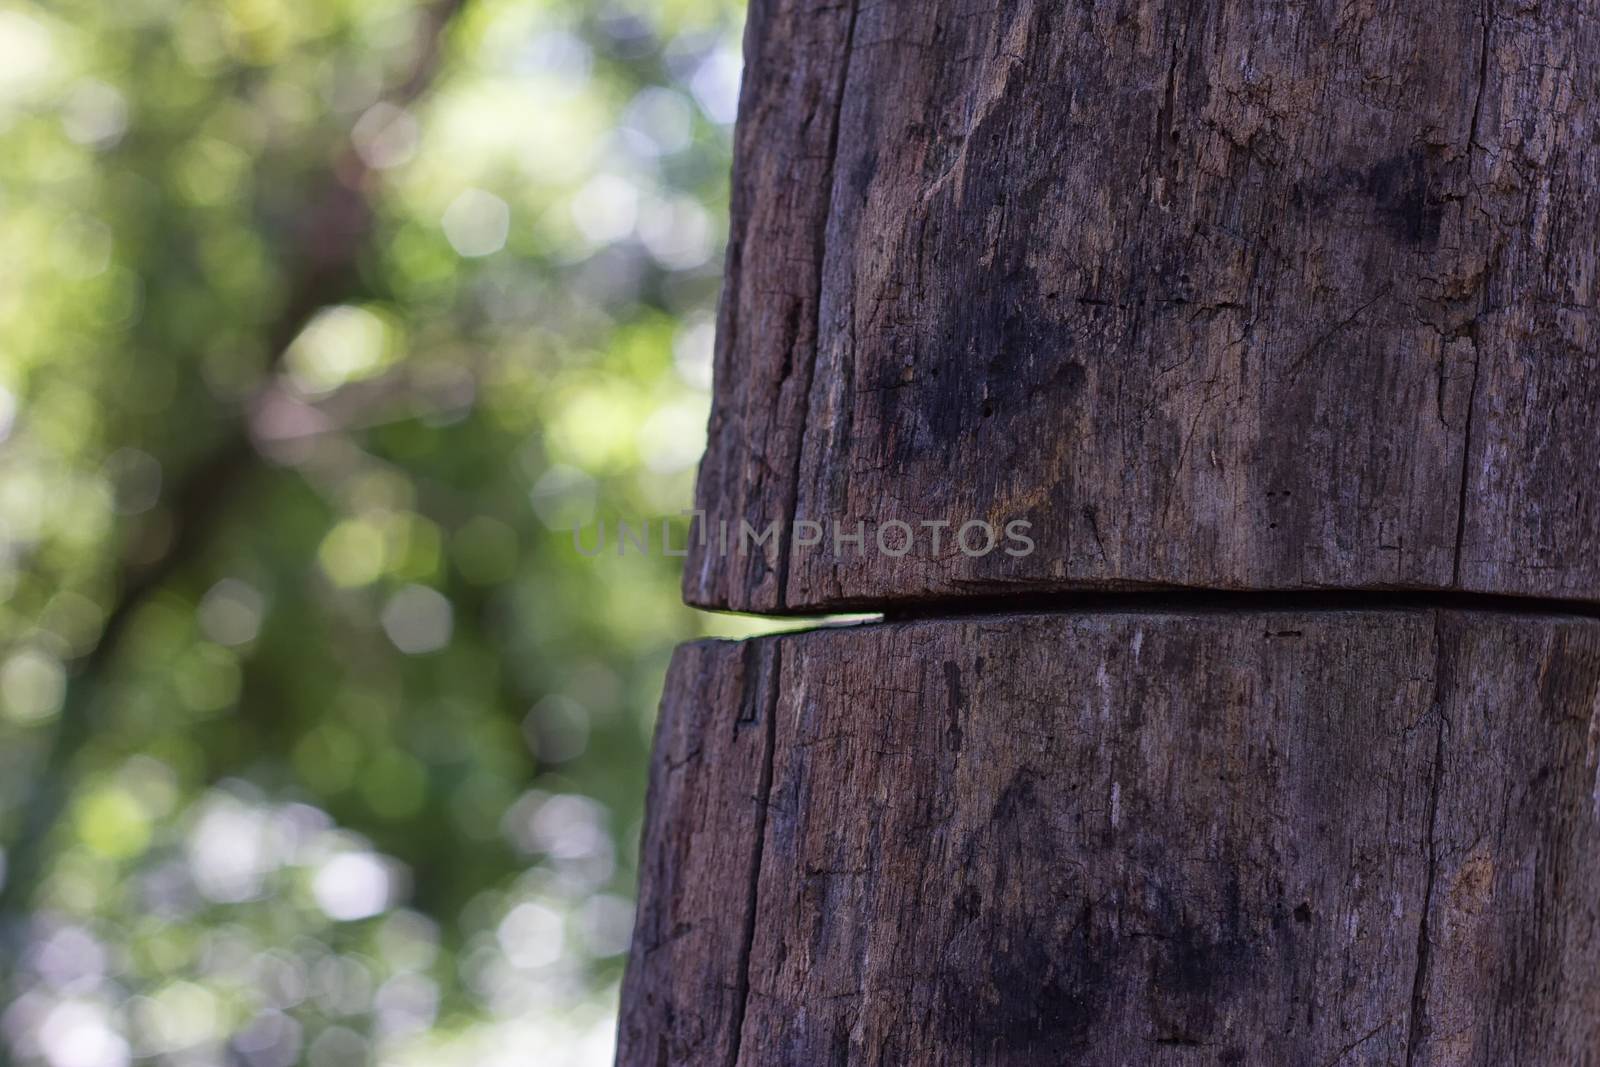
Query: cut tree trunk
{"points": [[1277, 323]]}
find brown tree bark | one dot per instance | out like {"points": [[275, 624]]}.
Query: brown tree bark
{"points": [[1277, 323], [1238, 837], [1222, 294]]}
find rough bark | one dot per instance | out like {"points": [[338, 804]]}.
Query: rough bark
{"points": [[1243, 296], [1234, 294], [767, 323], [1362, 837], [710, 775]]}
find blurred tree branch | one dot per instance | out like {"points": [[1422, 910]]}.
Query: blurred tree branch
{"points": [[323, 268]]}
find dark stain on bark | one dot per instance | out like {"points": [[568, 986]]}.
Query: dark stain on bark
{"points": [[1402, 188], [1030, 995]]}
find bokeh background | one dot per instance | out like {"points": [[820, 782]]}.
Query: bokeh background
{"points": [[322, 322]]}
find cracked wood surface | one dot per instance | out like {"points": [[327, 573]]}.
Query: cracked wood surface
{"points": [[1229, 295], [1355, 837], [1235, 294]]}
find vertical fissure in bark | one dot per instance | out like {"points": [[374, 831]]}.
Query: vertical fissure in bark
{"points": [[1472, 392], [1483, 74], [1466, 463], [767, 687], [1167, 109], [1419, 981], [785, 552]]}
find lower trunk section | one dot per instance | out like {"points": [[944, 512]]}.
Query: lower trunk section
{"points": [[1230, 837]]}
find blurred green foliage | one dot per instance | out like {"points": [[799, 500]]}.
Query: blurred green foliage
{"points": [[321, 324]]}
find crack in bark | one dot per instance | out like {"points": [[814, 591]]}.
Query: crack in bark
{"points": [[1483, 74], [1166, 601], [786, 552], [768, 689], [1477, 353], [1223, 601], [1419, 986], [1466, 464]]}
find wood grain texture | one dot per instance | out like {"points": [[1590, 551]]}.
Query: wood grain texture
{"points": [[710, 775], [784, 148], [1511, 950], [1363, 837], [1234, 294]]}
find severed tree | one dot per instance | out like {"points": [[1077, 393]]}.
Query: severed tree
{"points": [[1276, 324]]}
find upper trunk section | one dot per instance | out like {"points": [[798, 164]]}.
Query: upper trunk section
{"points": [[1234, 294]]}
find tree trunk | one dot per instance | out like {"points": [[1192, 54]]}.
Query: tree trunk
{"points": [[1291, 306]]}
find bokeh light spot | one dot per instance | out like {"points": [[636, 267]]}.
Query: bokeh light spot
{"points": [[32, 686], [351, 886], [477, 223], [418, 620]]}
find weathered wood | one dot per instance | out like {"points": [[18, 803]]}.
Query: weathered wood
{"points": [[709, 779], [1361, 837], [767, 322], [1229, 295], [1236, 294]]}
